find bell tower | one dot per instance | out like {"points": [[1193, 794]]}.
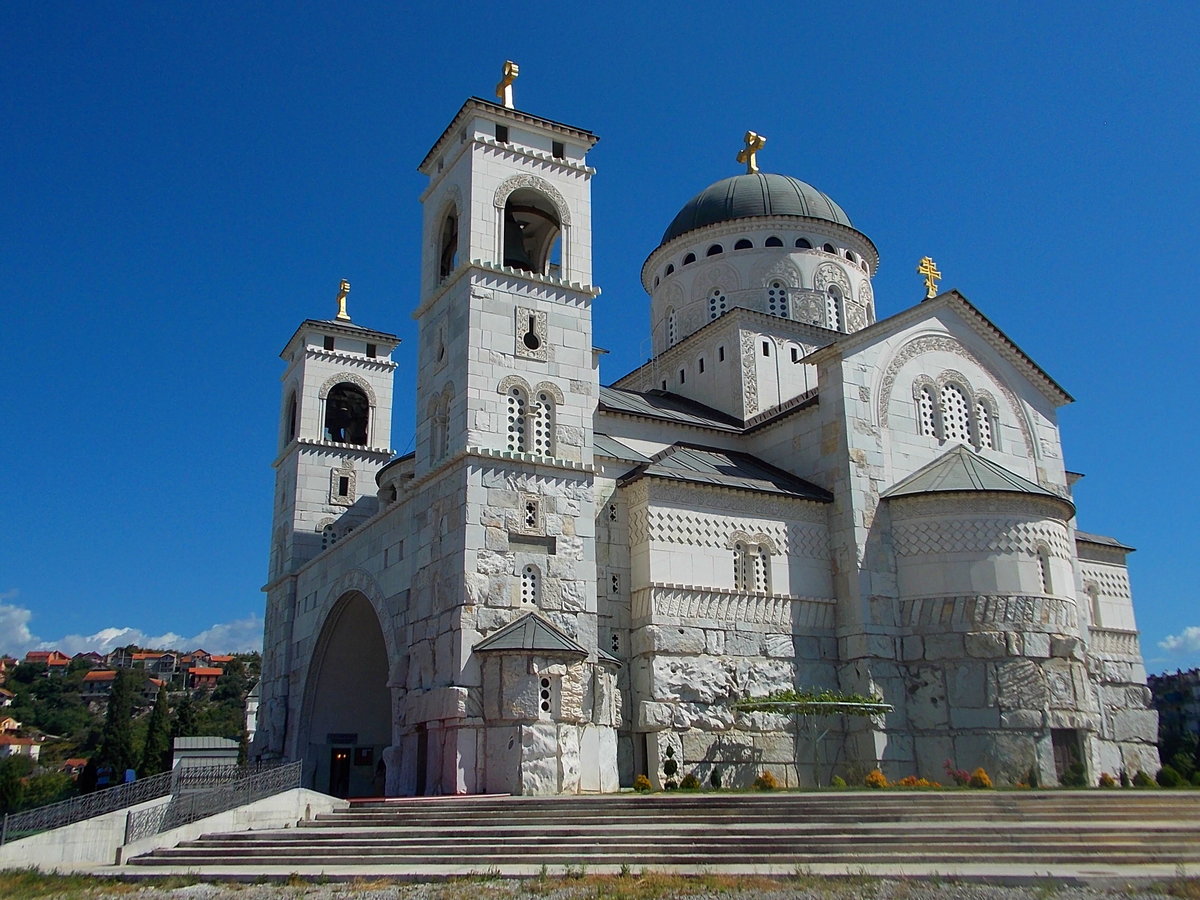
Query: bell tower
{"points": [[506, 286], [334, 431]]}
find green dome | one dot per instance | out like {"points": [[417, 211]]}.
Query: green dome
{"points": [[743, 196]]}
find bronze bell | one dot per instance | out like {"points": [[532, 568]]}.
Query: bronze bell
{"points": [[515, 256]]}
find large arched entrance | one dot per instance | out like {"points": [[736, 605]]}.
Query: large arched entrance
{"points": [[347, 704]]}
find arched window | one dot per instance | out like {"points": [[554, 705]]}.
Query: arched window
{"points": [[1043, 559], [828, 248], [328, 537], [1093, 594], [670, 270], [834, 309], [717, 303], [803, 244], [927, 412], [293, 416], [347, 412], [762, 571], [743, 244], [689, 259], [956, 422], [542, 424], [531, 232], [672, 327], [448, 259], [656, 280], [439, 428], [531, 585], [714, 250], [773, 241], [518, 412], [983, 427], [740, 579], [751, 567], [777, 300]]}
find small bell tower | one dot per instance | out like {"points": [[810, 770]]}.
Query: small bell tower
{"points": [[334, 431]]}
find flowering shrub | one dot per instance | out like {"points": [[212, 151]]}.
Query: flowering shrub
{"points": [[1107, 781], [914, 781], [961, 777], [766, 782], [689, 782], [642, 784], [875, 779], [979, 779]]}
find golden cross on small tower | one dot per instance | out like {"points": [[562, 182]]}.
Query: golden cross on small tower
{"points": [[754, 143], [504, 88], [343, 292], [929, 269]]}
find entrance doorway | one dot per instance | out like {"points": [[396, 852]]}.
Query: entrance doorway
{"points": [[1068, 756], [339, 772], [347, 716]]}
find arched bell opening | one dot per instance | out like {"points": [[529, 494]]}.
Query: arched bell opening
{"points": [[532, 233], [448, 255], [347, 723], [347, 415]]}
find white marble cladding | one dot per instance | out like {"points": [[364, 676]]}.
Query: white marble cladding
{"points": [[712, 607]]}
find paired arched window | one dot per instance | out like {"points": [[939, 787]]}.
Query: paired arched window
{"points": [[777, 300], [1093, 594], [1043, 560], [530, 421], [347, 414], [717, 303], [950, 411], [751, 567]]}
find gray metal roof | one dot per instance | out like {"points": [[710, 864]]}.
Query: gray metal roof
{"points": [[1104, 540], [726, 468], [961, 469], [761, 194], [606, 445], [668, 407], [533, 633]]}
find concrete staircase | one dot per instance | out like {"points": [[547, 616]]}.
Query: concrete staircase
{"points": [[1081, 834]]}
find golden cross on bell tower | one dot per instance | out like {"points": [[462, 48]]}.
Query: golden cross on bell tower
{"points": [[928, 268], [343, 292], [748, 155], [504, 89]]}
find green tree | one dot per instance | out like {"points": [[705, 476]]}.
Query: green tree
{"points": [[185, 718], [156, 752], [116, 740], [13, 770]]}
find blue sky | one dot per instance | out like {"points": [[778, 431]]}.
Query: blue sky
{"points": [[183, 183]]}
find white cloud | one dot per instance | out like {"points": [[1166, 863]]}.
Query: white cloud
{"points": [[238, 636], [1187, 641]]}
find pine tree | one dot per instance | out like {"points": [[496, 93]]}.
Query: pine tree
{"points": [[156, 754], [185, 718], [116, 739]]}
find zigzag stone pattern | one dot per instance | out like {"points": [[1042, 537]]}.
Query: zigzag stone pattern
{"points": [[990, 535]]}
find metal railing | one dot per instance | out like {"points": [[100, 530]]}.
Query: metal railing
{"points": [[199, 779], [76, 809], [211, 795]]}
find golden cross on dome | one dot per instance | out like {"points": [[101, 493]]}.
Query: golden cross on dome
{"points": [[928, 268], [748, 155], [343, 292], [504, 89]]}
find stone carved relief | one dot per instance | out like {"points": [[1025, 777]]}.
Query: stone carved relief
{"points": [[782, 269], [866, 296], [529, 333], [715, 275], [536, 183], [808, 307], [991, 535], [681, 602], [830, 274], [973, 612], [947, 344], [347, 377], [856, 317], [749, 373]]}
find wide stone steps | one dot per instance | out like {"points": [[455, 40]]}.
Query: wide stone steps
{"points": [[892, 831]]}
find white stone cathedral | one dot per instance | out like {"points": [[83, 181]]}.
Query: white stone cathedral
{"points": [[567, 585]]}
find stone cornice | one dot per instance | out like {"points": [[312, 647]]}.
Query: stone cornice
{"points": [[585, 292], [370, 454], [563, 165]]}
